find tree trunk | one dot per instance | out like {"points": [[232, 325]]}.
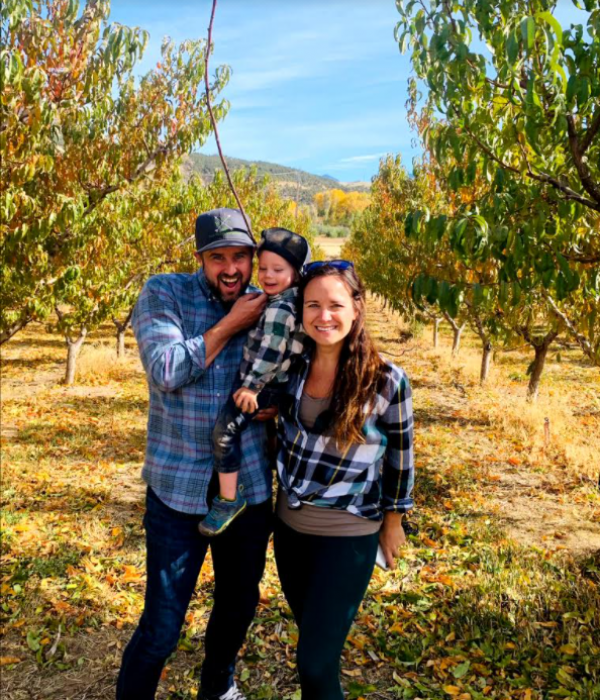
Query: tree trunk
{"points": [[436, 328], [121, 343], [122, 327], [456, 339], [537, 367], [541, 348], [485, 362], [7, 333], [457, 331], [73, 350], [486, 357]]}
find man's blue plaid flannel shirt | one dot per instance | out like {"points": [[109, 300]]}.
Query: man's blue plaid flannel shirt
{"points": [[170, 317]]}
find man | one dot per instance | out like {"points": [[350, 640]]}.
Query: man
{"points": [[190, 332]]}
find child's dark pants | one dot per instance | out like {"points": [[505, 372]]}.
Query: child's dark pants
{"points": [[231, 424]]}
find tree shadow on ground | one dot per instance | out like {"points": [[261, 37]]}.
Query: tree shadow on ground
{"points": [[39, 343], [73, 443], [103, 405], [425, 417], [31, 363]]}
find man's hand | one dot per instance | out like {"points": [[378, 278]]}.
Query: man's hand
{"points": [[391, 537], [245, 399], [245, 312]]}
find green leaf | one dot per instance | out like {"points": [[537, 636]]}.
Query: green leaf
{"points": [[572, 88], [462, 669], [583, 91], [512, 48], [553, 22], [528, 32]]}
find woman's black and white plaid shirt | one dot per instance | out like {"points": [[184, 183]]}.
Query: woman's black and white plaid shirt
{"points": [[365, 479]]}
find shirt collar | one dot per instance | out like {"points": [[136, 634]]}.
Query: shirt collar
{"points": [[201, 277], [287, 294]]}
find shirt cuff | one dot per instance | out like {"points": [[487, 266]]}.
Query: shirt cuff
{"points": [[250, 382], [402, 505]]}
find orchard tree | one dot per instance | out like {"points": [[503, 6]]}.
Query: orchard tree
{"points": [[76, 130], [387, 260], [523, 114], [136, 233], [150, 231]]}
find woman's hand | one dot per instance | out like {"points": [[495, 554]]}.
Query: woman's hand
{"points": [[391, 537], [245, 399]]}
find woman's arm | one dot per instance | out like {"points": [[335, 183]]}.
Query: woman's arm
{"points": [[391, 536], [398, 463]]}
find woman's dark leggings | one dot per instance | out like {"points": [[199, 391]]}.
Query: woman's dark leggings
{"points": [[324, 580]]}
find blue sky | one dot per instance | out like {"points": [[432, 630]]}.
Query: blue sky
{"points": [[316, 85]]}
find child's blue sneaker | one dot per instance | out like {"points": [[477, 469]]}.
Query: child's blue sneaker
{"points": [[221, 514]]}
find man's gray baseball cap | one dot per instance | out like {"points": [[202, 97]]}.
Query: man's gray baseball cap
{"points": [[221, 228]]}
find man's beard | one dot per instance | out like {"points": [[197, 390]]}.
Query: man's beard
{"points": [[216, 290]]}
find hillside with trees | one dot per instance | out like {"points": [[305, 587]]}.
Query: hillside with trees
{"points": [[291, 182]]}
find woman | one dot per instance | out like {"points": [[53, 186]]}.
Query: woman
{"points": [[345, 469]]}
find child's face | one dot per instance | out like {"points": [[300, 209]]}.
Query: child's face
{"points": [[275, 274]]}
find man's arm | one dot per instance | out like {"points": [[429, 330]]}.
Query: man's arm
{"points": [[171, 360], [243, 314]]}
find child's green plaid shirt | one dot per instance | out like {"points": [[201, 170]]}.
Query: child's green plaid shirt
{"points": [[277, 337]]}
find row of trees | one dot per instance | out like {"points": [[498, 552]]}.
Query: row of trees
{"points": [[338, 208], [499, 226], [93, 197]]}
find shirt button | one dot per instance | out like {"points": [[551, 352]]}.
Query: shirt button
{"points": [[218, 366], [218, 393]]}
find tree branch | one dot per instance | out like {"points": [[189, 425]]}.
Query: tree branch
{"points": [[582, 341], [214, 121], [541, 177], [591, 132], [584, 174]]}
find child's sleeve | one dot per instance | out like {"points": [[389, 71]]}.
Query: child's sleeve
{"points": [[279, 324]]}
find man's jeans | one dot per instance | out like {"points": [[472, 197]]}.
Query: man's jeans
{"points": [[232, 422], [175, 553]]}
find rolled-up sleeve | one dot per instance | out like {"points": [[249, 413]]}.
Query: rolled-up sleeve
{"points": [[398, 470], [170, 360]]}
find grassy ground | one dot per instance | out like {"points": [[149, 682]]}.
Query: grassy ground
{"points": [[496, 597]]}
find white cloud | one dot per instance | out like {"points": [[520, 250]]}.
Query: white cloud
{"points": [[362, 159]]}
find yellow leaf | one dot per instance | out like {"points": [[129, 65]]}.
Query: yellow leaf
{"points": [[355, 672], [452, 689], [568, 649], [5, 660], [131, 574]]}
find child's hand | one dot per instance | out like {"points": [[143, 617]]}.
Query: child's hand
{"points": [[245, 400]]}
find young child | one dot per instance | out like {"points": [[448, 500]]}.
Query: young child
{"points": [[282, 255]]}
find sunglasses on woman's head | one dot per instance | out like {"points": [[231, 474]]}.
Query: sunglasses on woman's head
{"points": [[338, 264]]}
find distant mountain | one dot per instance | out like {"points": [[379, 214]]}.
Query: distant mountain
{"points": [[290, 181]]}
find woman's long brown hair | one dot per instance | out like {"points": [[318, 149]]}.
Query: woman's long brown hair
{"points": [[360, 368]]}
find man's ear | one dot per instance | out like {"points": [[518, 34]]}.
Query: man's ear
{"points": [[198, 257]]}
